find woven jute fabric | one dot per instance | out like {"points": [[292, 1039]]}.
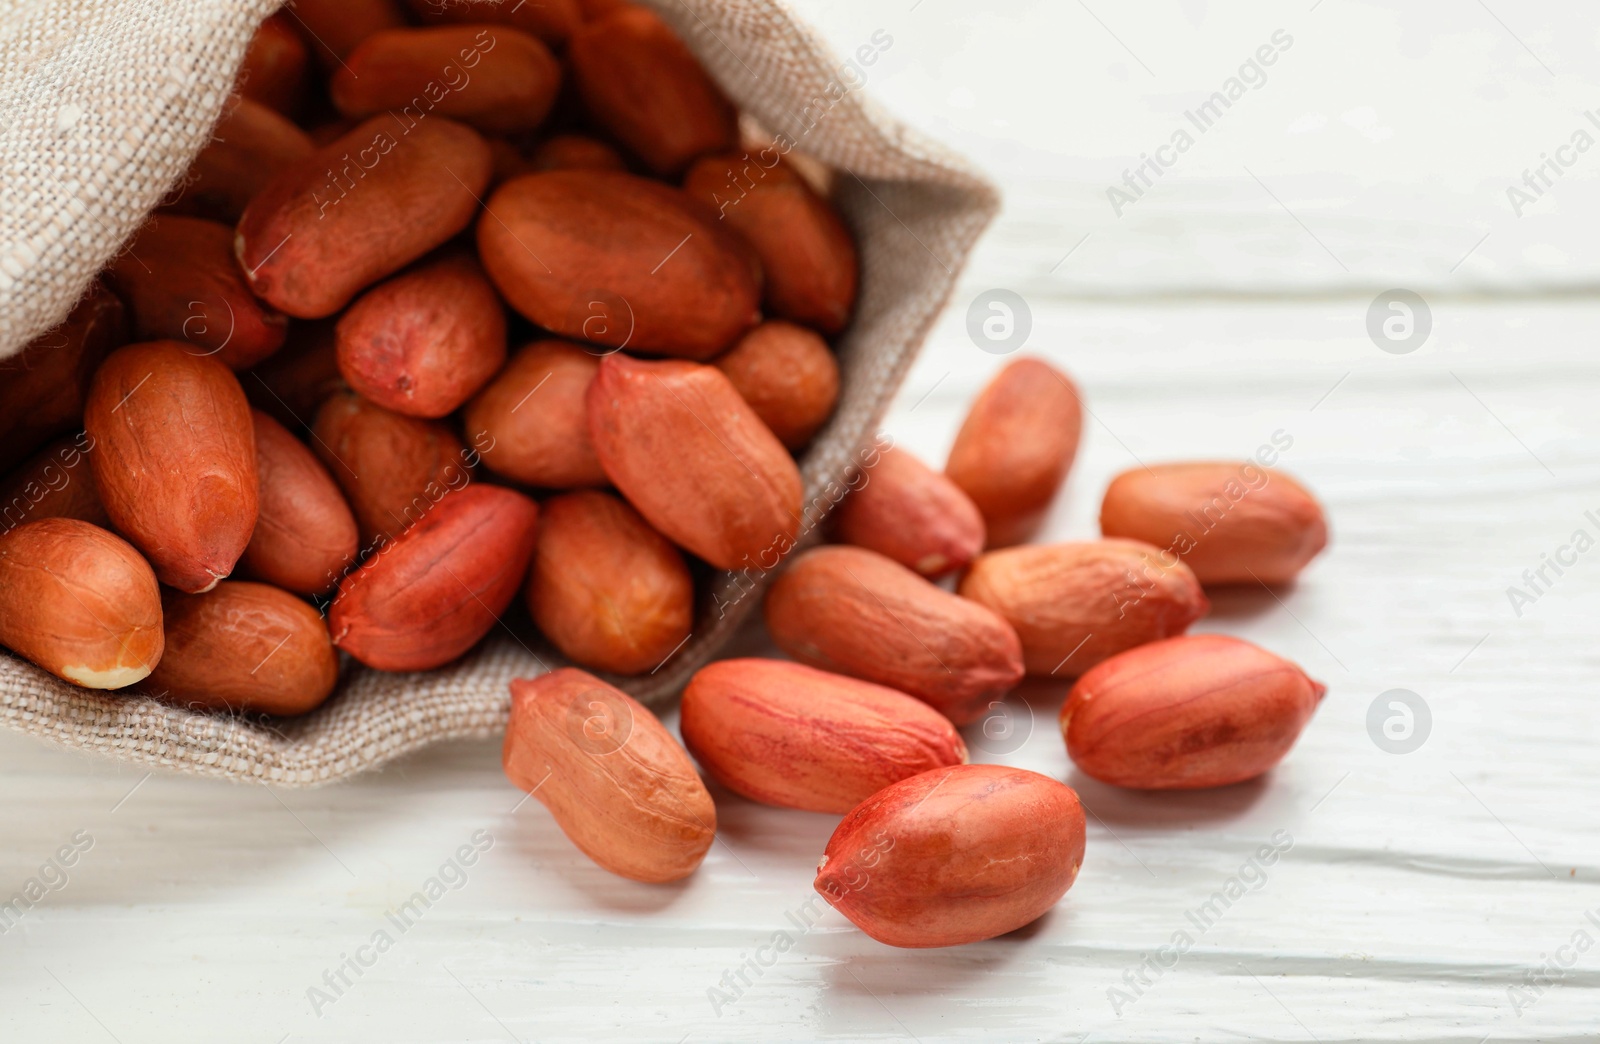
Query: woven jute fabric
{"points": [[104, 103]]}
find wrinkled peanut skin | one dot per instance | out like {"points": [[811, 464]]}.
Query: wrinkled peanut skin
{"points": [[358, 209], [43, 388], [392, 468], [1073, 605], [305, 534], [610, 592], [807, 253], [639, 81], [788, 375], [854, 611], [913, 514], [56, 482], [422, 342], [244, 647], [618, 260], [79, 602], [438, 588], [619, 786], [1185, 713], [955, 855], [790, 735], [1015, 447], [1231, 522], [695, 460], [175, 459], [506, 87], [181, 282], [533, 418]]}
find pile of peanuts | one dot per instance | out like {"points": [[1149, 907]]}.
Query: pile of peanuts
{"points": [[297, 374]]}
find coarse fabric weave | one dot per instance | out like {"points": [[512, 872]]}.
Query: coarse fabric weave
{"points": [[104, 103]]}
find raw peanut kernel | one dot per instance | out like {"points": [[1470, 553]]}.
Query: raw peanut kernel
{"points": [[175, 459], [250, 145], [392, 468], [43, 387], [357, 209], [1015, 447], [691, 455], [790, 735], [79, 602], [913, 514], [305, 534], [807, 253], [534, 421], [495, 78], [550, 20], [244, 647], [1231, 522], [574, 152], [1073, 605], [610, 592], [641, 83], [618, 260], [1196, 711], [56, 482], [955, 855], [788, 375], [274, 69], [615, 780], [181, 283], [424, 341], [854, 611], [429, 596]]}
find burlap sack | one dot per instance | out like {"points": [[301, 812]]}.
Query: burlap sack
{"points": [[103, 104]]}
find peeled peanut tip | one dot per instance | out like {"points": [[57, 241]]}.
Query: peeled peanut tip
{"points": [[1322, 690], [114, 677], [215, 576]]}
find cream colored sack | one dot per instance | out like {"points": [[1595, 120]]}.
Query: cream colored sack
{"points": [[105, 103]]}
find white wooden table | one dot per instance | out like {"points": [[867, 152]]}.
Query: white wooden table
{"points": [[1431, 895]]}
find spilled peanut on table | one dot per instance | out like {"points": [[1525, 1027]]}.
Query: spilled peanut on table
{"points": [[436, 394]]}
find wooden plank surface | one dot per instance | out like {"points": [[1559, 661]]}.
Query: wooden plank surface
{"points": [[1418, 889]]}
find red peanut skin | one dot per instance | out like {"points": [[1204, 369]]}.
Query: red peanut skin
{"points": [[641, 83], [695, 460], [506, 86], [424, 341], [305, 535], [429, 596], [275, 66], [44, 386], [550, 20], [1015, 447], [175, 459], [609, 592], [790, 735], [788, 375], [574, 152], [806, 251], [1262, 535], [299, 378], [614, 779], [392, 468], [954, 855], [912, 514], [181, 282], [334, 27], [79, 602], [250, 145], [1076, 604], [1186, 713], [244, 647], [856, 612], [618, 260], [56, 482], [534, 418], [358, 209]]}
